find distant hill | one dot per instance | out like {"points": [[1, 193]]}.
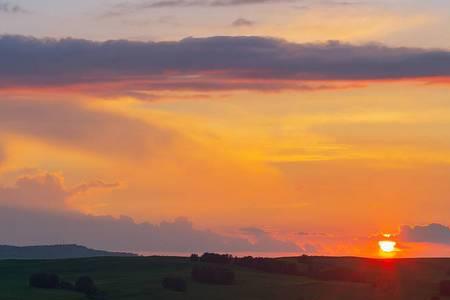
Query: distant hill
{"points": [[54, 252]]}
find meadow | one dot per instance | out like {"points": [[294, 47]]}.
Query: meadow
{"points": [[139, 278]]}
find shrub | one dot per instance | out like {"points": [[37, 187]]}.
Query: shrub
{"points": [[268, 265], [44, 281], [176, 284], [216, 258], [86, 285], [444, 287], [212, 275]]}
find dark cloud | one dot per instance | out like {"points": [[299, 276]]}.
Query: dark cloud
{"points": [[196, 63], [44, 191], [241, 22], [10, 8], [71, 124], [433, 233], [26, 227]]}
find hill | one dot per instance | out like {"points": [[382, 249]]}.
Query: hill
{"points": [[139, 278], [53, 252]]}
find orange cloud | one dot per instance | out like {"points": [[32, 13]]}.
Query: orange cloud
{"points": [[44, 191]]}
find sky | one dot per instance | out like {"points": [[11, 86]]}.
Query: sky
{"points": [[242, 126]]}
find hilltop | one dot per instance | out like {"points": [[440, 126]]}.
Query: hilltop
{"points": [[54, 252]]}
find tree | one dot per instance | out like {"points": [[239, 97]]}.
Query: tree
{"points": [[86, 285], [195, 257]]}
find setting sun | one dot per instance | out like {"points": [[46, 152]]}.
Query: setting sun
{"points": [[387, 246]]}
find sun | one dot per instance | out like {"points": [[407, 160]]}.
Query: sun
{"points": [[387, 246]]}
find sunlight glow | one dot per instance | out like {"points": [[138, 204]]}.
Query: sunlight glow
{"points": [[387, 246]]}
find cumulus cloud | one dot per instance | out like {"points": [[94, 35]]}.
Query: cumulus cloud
{"points": [[26, 227], [432, 233], [45, 191], [241, 22], [201, 63], [34, 211]]}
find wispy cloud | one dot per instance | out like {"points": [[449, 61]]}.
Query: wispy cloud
{"points": [[11, 8], [242, 22], [137, 6], [97, 131]]}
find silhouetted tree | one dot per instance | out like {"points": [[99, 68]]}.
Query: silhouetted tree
{"points": [[86, 285], [268, 265], [216, 258], [194, 257], [176, 284], [44, 281]]}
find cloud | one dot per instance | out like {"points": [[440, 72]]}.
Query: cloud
{"points": [[432, 233], [190, 3], [247, 2], [27, 227], [201, 63], [45, 191], [254, 231], [2, 154], [10, 8], [264, 240], [241, 22], [125, 8], [71, 124]]}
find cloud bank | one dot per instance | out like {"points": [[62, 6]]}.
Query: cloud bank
{"points": [[432, 233], [34, 211], [207, 63], [26, 227]]}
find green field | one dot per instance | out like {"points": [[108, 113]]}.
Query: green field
{"points": [[136, 278]]}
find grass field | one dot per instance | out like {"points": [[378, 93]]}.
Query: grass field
{"points": [[139, 278]]}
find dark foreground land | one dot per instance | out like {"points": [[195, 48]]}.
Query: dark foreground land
{"points": [[136, 278]]}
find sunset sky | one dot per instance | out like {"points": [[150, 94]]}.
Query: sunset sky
{"points": [[244, 126]]}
